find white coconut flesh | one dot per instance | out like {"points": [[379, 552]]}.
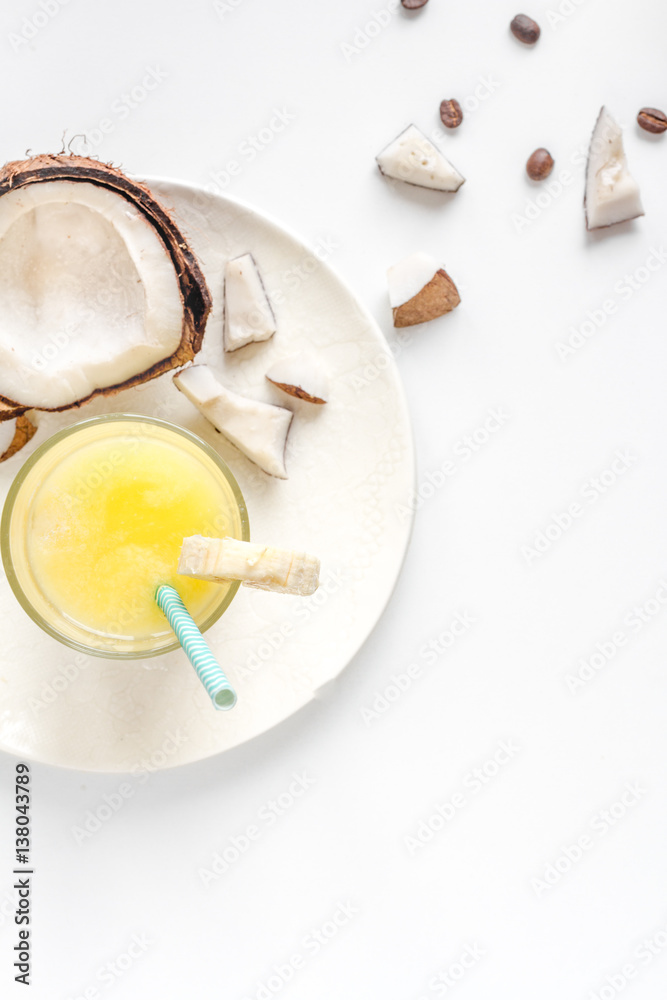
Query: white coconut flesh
{"points": [[248, 313], [300, 376], [612, 194], [257, 429], [407, 278], [7, 431], [413, 158], [89, 296]]}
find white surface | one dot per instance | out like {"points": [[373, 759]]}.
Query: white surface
{"points": [[350, 465], [504, 679], [406, 278]]}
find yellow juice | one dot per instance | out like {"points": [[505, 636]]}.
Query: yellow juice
{"points": [[103, 521]]}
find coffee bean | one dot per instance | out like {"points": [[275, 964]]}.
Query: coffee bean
{"points": [[540, 164], [525, 29], [652, 120], [414, 4], [451, 114]]}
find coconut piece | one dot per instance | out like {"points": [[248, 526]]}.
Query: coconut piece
{"points": [[413, 158], [612, 194], [219, 560], [300, 376], [257, 429], [99, 289], [23, 430], [419, 290], [248, 313], [7, 431]]}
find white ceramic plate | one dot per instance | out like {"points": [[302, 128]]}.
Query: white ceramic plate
{"points": [[349, 462]]}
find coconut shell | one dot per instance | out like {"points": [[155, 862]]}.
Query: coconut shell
{"points": [[194, 291], [435, 299], [25, 429], [297, 391], [8, 412]]}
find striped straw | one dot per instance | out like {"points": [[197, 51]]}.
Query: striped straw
{"points": [[195, 648]]}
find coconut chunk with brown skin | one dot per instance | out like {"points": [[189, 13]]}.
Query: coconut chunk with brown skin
{"points": [[99, 289], [257, 429], [413, 159], [14, 434], [7, 431], [248, 313], [419, 290], [612, 194], [300, 376]]}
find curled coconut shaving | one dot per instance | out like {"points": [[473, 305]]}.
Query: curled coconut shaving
{"points": [[24, 430]]}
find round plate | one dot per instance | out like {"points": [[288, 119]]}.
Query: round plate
{"points": [[350, 464]]}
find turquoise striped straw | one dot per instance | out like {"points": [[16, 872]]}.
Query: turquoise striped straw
{"points": [[195, 648]]}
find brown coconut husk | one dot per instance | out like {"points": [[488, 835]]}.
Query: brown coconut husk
{"points": [[25, 430]]}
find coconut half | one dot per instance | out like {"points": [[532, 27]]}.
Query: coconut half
{"points": [[413, 159], [612, 194], [99, 289]]}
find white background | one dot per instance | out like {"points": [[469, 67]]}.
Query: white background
{"points": [[479, 885]]}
